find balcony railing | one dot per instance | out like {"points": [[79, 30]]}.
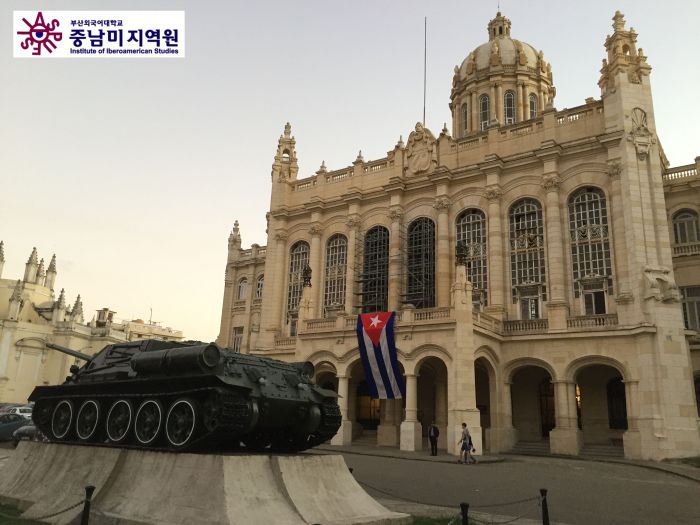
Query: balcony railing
{"points": [[525, 326], [487, 322], [691, 248], [320, 324], [592, 321], [432, 314], [680, 172], [285, 341]]}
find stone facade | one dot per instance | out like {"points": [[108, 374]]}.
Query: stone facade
{"points": [[562, 324], [31, 315]]}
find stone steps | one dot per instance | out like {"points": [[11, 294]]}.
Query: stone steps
{"points": [[604, 451], [531, 448]]}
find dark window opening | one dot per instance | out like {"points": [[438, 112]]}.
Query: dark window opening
{"points": [[375, 271], [420, 291]]}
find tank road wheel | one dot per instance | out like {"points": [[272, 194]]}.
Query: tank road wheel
{"points": [[87, 420], [61, 419], [149, 419], [181, 423], [211, 412], [119, 420]]}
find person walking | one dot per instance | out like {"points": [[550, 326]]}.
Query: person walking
{"points": [[467, 446], [433, 434]]}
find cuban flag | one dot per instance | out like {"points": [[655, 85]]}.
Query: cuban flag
{"points": [[375, 337]]}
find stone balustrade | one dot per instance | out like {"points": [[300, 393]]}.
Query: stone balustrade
{"points": [[525, 327], [680, 172], [691, 248], [602, 321], [487, 322], [285, 341]]}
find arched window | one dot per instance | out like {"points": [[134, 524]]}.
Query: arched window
{"points": [[465, 119], [420, 289], [533, 105], [375, 271], [483, 112], [285, 156], [259, 283], [242, 289], [336, 263], [685, 227], [298, 259], [509, 107], [527, 257], [691, 307], [471, 230], [590, 248]]}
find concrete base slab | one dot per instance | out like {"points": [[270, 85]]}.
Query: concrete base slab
{"points": [[142, 487], [387, 435], [565, 441]]}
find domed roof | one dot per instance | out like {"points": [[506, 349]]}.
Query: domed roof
{"points": [[501, 50]]}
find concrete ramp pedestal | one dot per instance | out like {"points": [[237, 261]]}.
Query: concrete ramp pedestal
{"points": [[141, 487]]}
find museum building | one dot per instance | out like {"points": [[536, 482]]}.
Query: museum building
{"points": [[568, 322]]}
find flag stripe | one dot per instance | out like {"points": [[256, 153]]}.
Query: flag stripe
{"points": [[398, 375], [388, 364], [374, 367]]}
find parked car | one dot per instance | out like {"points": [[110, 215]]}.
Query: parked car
{"points": [[24, 411], [9, 423], [27, 432], [6, 407]]}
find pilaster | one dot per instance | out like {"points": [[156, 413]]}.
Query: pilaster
{"points": [[442, 206]]}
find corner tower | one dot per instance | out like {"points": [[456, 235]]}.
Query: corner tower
{"points": [[501, 82], [647, 293]]}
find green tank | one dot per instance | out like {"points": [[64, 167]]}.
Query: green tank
{"points": [[186, 397]]}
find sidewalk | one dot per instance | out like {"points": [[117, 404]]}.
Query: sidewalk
{"points": [[392, 452], [684, 471]]}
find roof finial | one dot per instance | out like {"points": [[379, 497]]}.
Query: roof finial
{"points": [[2, 251], [17, 292], [287, 130], [33, 257], [52, 264]]}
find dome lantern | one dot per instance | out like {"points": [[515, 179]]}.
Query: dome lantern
{"points": [[499, 26]]}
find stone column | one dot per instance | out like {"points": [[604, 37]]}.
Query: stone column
{"points": [[631, 439], [499, 104], [505, 435], [624, 297], [315, 258], [526, 101], [520, 96], [441, 412], [496, 270], [475, 112], [344, 435], [565, 438], [442, 265], [557, 308], [387, 435], [540, 97], [279, 280], [492, 104], [395, 214], [352, 223], [411, 429]]}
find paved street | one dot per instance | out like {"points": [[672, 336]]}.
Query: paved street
{"points": [[580, 492]]}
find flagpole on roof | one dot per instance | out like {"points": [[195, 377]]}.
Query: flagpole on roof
{"points": [[425, 61]]}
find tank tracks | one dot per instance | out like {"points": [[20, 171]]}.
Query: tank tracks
{"points": [[222, 421]]}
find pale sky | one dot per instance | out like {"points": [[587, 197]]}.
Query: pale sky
{"points": [[133, 170]]}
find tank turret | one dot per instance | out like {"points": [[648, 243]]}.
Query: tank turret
{"points": [[186, 396]]}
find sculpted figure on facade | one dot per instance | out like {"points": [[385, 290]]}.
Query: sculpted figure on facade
{"points": [[441, 203], [396, 213], [422, 151], [492, 193], [640, 135], [660, 284]]}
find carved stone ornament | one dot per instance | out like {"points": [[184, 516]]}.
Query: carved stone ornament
{"points": [[281, 235], [551, 182], [315, 229], [353, 221], [660, 285], [493, 193], [421, 150], [396, 213], [441, 203], [640, 135], [614, 169]]}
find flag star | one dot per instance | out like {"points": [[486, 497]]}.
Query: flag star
{"points": [[374, 321]]}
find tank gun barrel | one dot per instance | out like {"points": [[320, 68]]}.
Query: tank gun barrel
{"points": [[68, 351]]}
